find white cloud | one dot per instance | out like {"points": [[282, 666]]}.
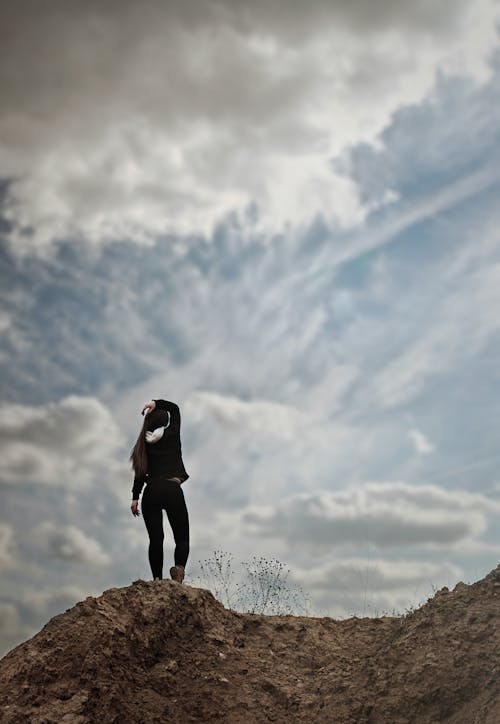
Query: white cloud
{"points": [[126, 122], [373, 586], [66, 482], [430, 344], [404, 377], [409, 215], [387, 515], [64, 444], [422, 445], [66, 543], [255, 448], [377, 574]]}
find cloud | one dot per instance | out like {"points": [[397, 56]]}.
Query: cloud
{"points": [[12, 631], [132, 122], [387, 515], [377, 574], [66, 543], [6, 546], [9, 617], [373, 586], [427, 348], [66, 486], [300, 362], [420, 441], [62, 444], [268, 448]]}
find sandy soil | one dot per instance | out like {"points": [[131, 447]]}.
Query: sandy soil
{"points": [[159, 651]]}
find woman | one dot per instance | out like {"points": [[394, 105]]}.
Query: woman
{"points": [[157, 461]]}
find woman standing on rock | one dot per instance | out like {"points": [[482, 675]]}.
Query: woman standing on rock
{"points": [[157, 461]]}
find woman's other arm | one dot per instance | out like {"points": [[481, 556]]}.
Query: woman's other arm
{"points": [[139, 483]]}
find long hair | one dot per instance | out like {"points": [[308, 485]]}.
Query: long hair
{"points": [[139, 453]]}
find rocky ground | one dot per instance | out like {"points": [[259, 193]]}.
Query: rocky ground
{"points": [[165, 652]]}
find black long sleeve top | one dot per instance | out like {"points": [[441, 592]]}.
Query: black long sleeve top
{"points": [[164, 456]]}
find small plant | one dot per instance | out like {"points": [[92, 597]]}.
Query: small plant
{"points": [[266, 589], [218, 574], [262, 586]]}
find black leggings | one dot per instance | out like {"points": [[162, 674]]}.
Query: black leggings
{"points": [[165, 494]]}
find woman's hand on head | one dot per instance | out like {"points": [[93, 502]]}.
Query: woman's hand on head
{"points": [[135, 507], [148, 407]]}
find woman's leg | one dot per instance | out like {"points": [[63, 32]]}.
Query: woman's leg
{"points": [[179, 521], [152, 513]]}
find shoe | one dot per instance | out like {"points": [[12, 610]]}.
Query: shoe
{"points": [[177, 573]]}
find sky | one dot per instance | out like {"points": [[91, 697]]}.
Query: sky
{"points": [[284, 217]]}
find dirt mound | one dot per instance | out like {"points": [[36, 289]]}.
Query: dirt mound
{"points": [[160, 651]]}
